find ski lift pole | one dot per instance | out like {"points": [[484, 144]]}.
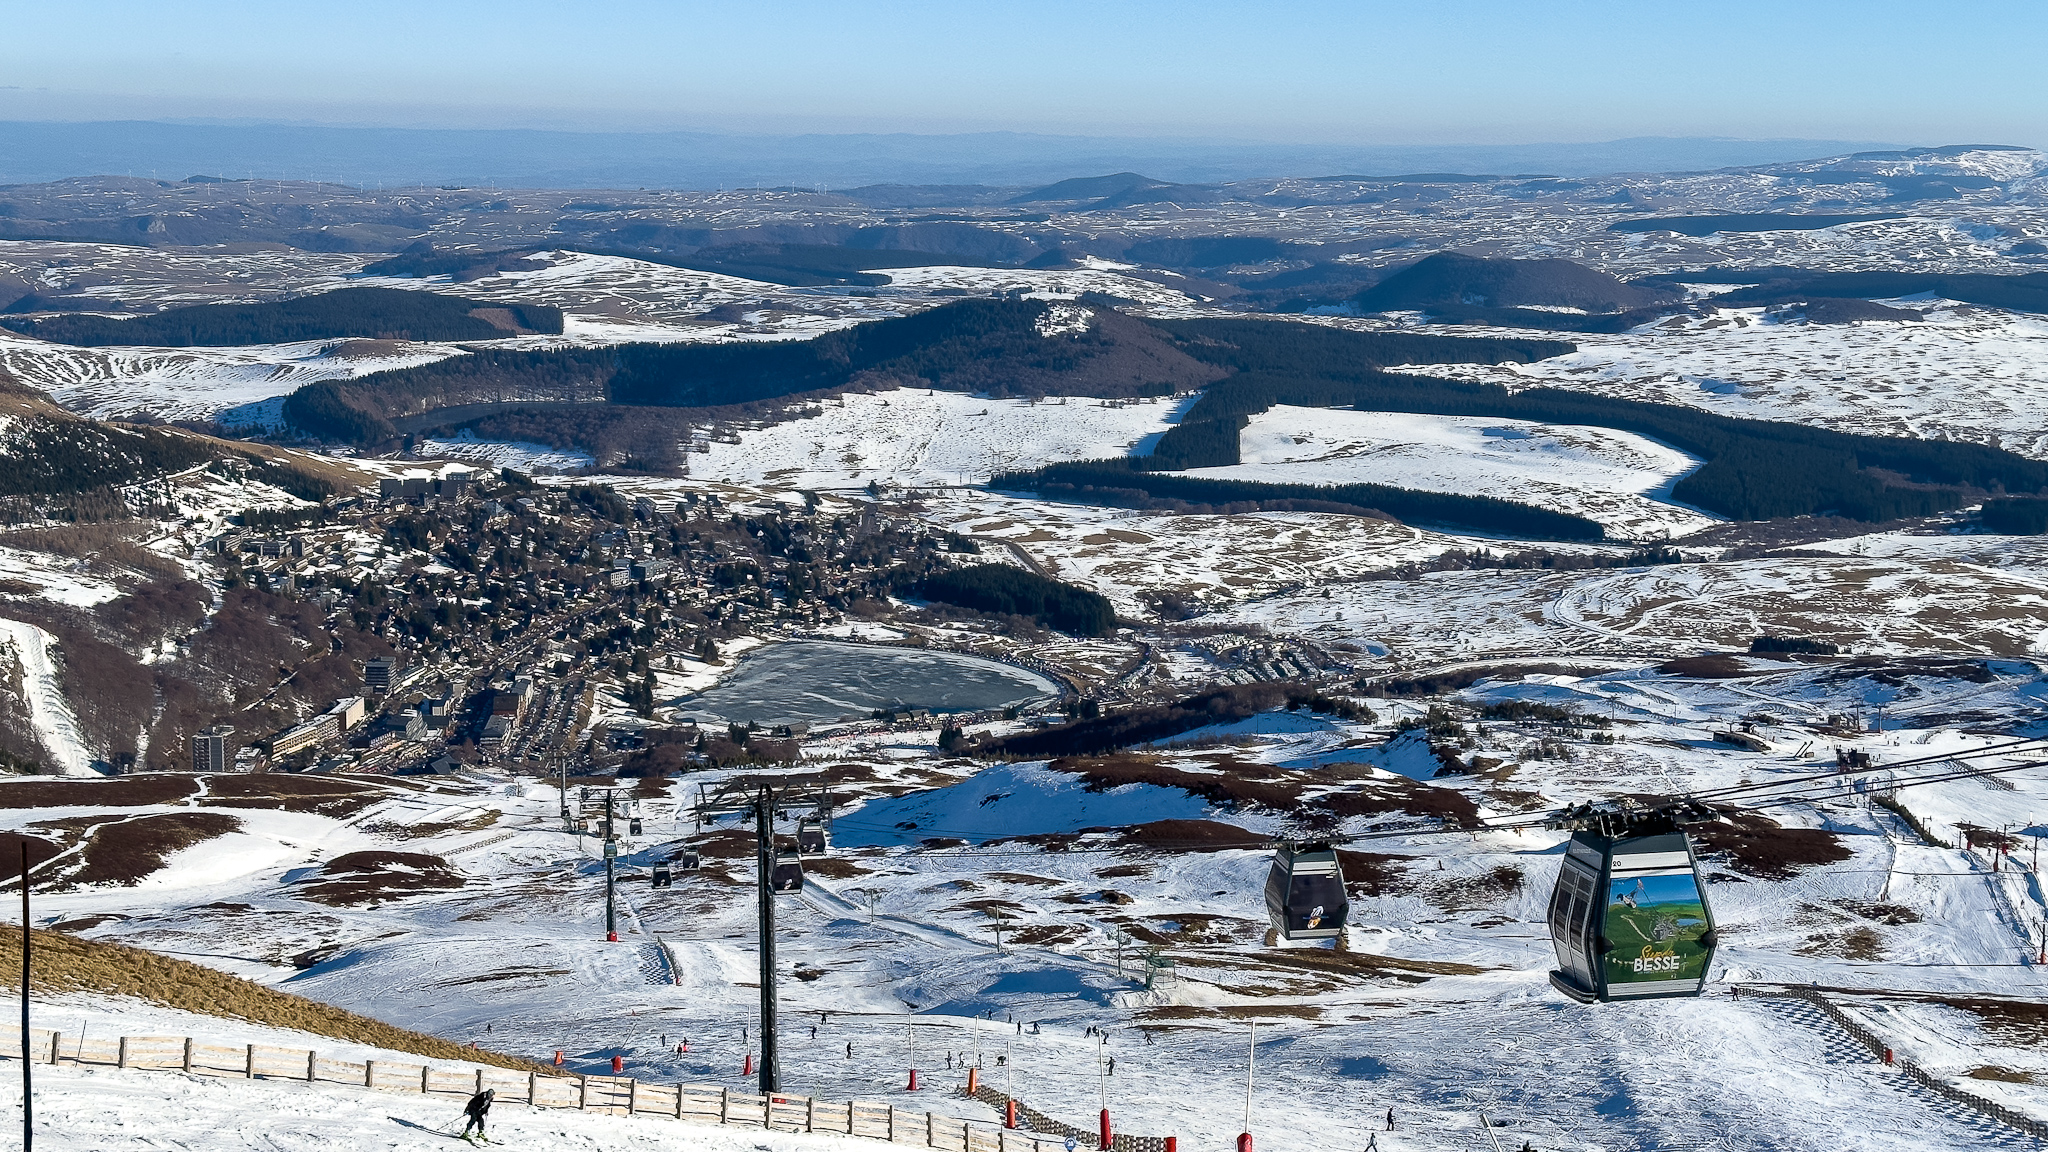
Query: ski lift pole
{"points": [[28, 1128], [611, 856], [1251, 1055], [764, 851]]}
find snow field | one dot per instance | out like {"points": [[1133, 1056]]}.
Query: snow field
{"points": [[29, 649], [1963, 373], [1618, 479], [1890, 607], [92, 1109], [910, 436], [191, 383]]}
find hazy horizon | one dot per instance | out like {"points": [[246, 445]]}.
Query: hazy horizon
{"points": [[1486, 72]]}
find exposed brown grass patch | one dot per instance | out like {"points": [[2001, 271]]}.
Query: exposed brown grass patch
{"points": [[1757, 846], [374, 877], [1713, 666], [1027, 878], [1373, 873], [127, 851], [39, 850], [1329, 961], [117, 792], [319, 795], [2002, 1075], [1467, 893], [69, 964], [834, 868], [1046, 935], [1859, 943], [1238, 783], [476, 823]]}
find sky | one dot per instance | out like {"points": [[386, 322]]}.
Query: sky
{"points": [[1416, 71]]}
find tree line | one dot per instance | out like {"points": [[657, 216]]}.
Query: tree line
{"points": [[1125, 482], [1003, 590], [346, 313]]}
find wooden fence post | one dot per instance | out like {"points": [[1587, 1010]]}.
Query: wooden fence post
{"points": [[479, 1080], [582, 1092], [533, 1089], [369, 1073], [723, 1098], [122, 1061], [679, 1101], [249, 1062], [56, 1046], [811, 1114], [423, 1079], [892, 1123], [188, 1053], [632, 1095], [312, 1065]]}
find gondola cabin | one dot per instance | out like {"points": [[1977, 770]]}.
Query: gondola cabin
{"points": [[788, 873], [812, 838], [1305, 893], [689, 861], [663, 878], [1629, 917], [633, 826]]}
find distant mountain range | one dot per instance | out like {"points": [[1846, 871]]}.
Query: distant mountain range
{"points": [[33, 151]]}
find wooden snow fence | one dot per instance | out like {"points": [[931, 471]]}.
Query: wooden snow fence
{"points": [[1942, 1088], [611, 1095]]}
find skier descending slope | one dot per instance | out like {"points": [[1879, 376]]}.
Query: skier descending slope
{"points": [[479, 1106]]}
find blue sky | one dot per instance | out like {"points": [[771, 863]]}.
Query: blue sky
{"points": [[1478, 71]]}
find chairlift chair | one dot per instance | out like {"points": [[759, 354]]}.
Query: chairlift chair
{"points": [[1305, 895], [788, 872]]}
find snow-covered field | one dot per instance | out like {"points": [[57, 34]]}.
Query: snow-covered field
{"points": [[1871, 606], [913, 437], [194, 383], [1440, 1011], [1618, 479], [28, 652], [465, 447], [1963, 373]]}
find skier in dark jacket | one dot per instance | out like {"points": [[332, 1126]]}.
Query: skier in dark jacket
{"points": [[479, 1106]]}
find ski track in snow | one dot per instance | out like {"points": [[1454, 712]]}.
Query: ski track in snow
{"points": [[55, 724]]}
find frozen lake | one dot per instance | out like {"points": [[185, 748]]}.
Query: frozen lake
{"points": [[816, 681]]}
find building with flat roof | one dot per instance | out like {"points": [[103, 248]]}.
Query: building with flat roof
{"points": [[210, 751]]}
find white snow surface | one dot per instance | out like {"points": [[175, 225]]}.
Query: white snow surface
{"points": [[1964, 372], [29, 648], [193, 383], [518, 454], [917, 436], [1620, 480]]}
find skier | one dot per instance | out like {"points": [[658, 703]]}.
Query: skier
{"points": [[814, 1031], [1112, 1065], [1390, 1119], [849, 1049], [479, 1106], [1020, 1027]]}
